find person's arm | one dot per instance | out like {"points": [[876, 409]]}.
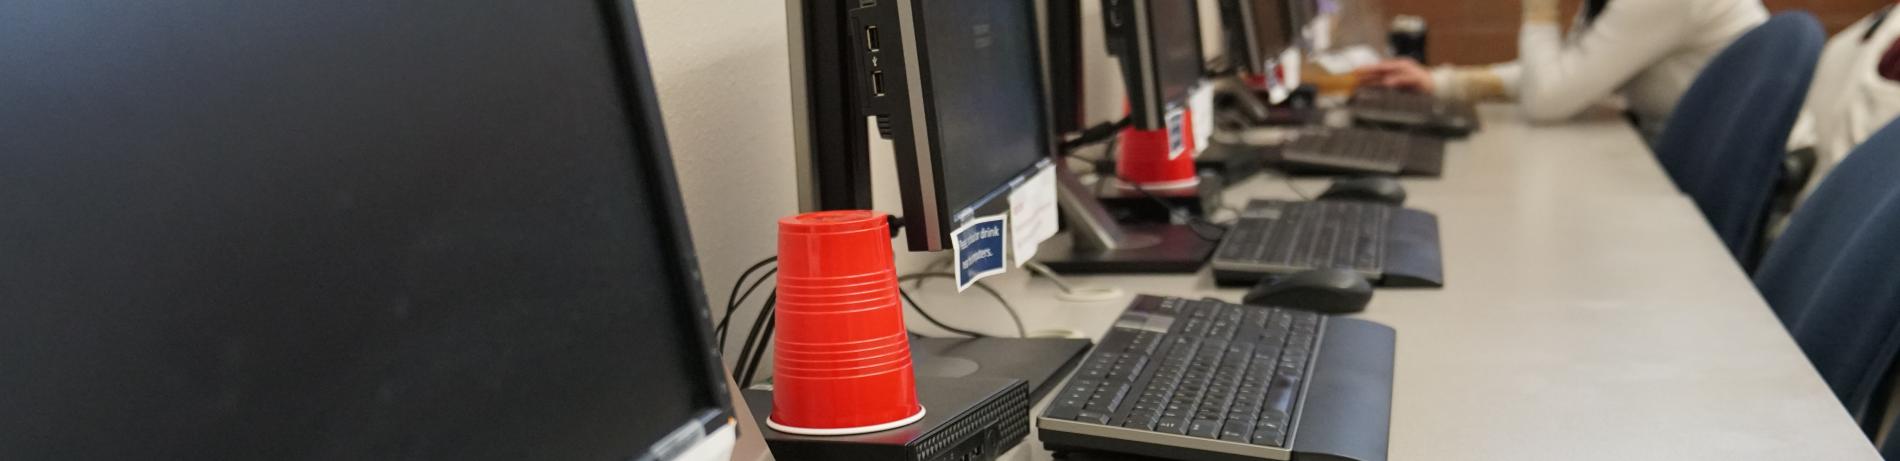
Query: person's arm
{"points": [[1495, 81], [1476, 83], [1558, 81]]}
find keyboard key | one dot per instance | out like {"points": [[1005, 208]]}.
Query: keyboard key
{"points": [[1281, 393], [1081, 386], [1237, 431], [1176, 425], [1275, 422], [1268, 437], [1205, 428], [1092, 417], [1059, 411]]}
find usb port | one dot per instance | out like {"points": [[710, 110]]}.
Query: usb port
{"points": [[870, 38], [877, 82]]}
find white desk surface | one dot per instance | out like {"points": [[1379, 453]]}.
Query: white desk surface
{"points": [[1589, 313]]}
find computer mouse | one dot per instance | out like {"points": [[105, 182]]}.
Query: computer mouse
{"points": [[1381, 189], [1326, 291]]}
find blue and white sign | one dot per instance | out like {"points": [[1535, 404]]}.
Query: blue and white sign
{"points": [[981, 248]]}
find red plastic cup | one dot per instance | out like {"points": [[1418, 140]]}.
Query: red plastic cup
{"points": [[1150, 159], [841, 355]]}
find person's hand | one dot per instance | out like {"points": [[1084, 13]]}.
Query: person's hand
{"points": [[1403, 74]]}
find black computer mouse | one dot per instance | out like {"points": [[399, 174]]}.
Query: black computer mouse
{"points": [[1326, 291], [1380, 189]]}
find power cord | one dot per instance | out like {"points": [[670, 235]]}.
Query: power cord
{"points": [[758, 356], [752, 352], [939, 265], [1097, 133], [933, 320], [734, 298], [1013, 316], [1074, 293], [1195, 224], [759, 335]]}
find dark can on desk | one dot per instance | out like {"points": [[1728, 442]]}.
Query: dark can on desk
{"points": [[1408, 37]]}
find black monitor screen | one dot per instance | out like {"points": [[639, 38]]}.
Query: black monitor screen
{"points": [[1272, 33], [986, 93], [344, 229], [1177, 42]]}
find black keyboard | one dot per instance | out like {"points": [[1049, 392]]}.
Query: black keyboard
{"points": [[1280, 237], [1397, 101], [1393, 107], [1202, 369], [1203, 379], [1349, 149]]}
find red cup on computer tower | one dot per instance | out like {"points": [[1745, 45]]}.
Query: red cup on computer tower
{"points": [[1159, 159], [841, 359]]}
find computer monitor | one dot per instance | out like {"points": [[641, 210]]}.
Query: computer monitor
{"points": [[1159, 45], [1258, 31], [1062, 38], [957, 86], [348, 229]]}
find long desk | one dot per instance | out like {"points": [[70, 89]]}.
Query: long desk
{"points": [[1589, 313], [1592, 156]]}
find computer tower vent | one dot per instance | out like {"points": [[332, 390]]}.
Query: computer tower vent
{"points": [[884, 126]]}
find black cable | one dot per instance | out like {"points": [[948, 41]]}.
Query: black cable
{"points": [[765, 342], [752, 336], [733, 300], [1193, 223], [722, 329], [932, 267], [1098, 133], [1091, 163], [933, 320], [1013, 316]]}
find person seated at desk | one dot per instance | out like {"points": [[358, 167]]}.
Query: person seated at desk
{"points": [[1647, 51], [1856, 91]]}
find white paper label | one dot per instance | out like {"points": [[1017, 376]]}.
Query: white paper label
{"points": [[1032, 214]]}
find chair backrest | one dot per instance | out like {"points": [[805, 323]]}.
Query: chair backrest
{"points": [[1834, 276], [1724, 145]]}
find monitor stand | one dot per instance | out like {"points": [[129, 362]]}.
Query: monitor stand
{"points": [[1096, 244]]}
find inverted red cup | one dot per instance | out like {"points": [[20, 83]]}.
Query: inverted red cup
{"points": [[1153, 160], [841, 353], [855, 351]]}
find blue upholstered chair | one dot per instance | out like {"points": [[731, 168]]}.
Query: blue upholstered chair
{"points": [[1725, 143], [1834, 276]]}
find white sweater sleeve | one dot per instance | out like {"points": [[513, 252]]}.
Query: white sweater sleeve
{"points": [[1476, 83], [1495, 81], [1558, 81]]}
